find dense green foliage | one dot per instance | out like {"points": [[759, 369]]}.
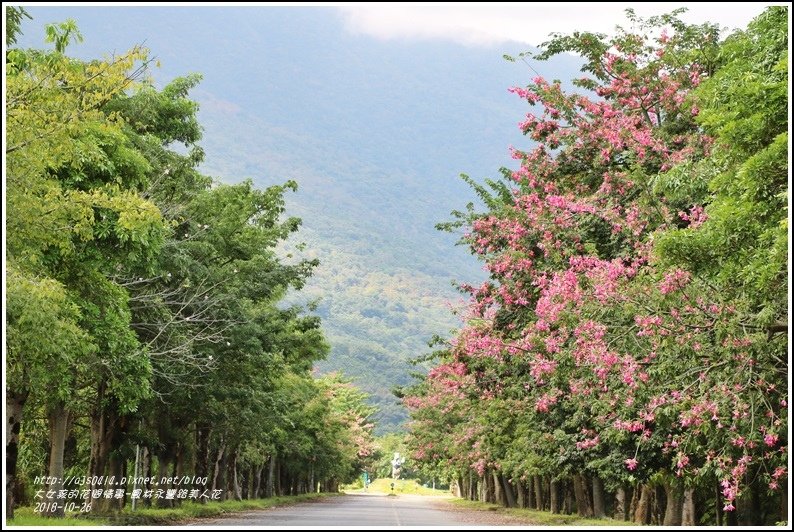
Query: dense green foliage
{"points": [[146, 324]]}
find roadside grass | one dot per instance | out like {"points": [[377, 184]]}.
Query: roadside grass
{"points": [[402, 486], [156, 516], [25, 516], [538, 517]]}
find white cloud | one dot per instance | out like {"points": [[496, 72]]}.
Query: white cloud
{"points": [[525, 22]]}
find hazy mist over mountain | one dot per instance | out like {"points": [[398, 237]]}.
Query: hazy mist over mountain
{"points": [[374, 132]]}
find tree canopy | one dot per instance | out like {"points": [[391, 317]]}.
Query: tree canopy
{"points": [[146, 322], [633, 331]]}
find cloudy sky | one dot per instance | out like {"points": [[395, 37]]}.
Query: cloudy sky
{"points": [[528, 22]]}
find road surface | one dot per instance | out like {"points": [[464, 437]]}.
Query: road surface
{"points": [[356, 510]]}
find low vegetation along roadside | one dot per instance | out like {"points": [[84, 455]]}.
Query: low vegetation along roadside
{"points": [[536, 517], [153, 516], [406, 487]]}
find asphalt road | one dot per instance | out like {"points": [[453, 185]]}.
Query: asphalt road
{"points": [[350, 510]]}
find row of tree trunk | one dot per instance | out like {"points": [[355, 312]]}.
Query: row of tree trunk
{"points": [[216, 461], [662, 503]]}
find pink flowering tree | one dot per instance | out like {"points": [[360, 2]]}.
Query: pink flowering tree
{"points": [[605, 356]]}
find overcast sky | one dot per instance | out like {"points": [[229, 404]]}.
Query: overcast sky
{"points": [[529, 22]]}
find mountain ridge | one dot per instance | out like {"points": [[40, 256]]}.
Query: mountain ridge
{"points": [[374, 132]]}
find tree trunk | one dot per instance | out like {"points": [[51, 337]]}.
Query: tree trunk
{"points": [[104, 427], [554, 497], [99, 448], [584, 506], [490, 488], [271, 471], [115, 472], [163, 465], [673, 510], [510, 496], [238, 492], [233, 484], [15, 404], [279, 480], [567, 503], [622, 503], [657, 515], [498, 490], [546, 483], [748, 507], [124, 473], [260, 494], [219, 471], [599, 506], [521, 495], [179, 466], [202, 453], [58, 419], [257, 483], [145, 473], [688, 515], [643, 513], [538, 487], [531, 504]]}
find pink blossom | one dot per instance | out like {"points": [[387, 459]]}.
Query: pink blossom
{"points": [[588, 443], [543, 402], [673, 281], [631, 463], [696, 216], [770, 439]]}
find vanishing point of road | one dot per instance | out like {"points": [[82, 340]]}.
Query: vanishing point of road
{"points": [[364, 510]]}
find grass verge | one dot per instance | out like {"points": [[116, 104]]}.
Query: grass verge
{"points": [[160, 516], [402, 486], [27, 517], [538, 517]]}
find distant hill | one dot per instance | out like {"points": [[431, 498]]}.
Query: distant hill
{"points": [[375, 133]]}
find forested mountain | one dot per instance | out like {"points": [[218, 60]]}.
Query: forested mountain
{"points": [[375, 134]]}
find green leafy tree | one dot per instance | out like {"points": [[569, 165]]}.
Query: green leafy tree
{"points": [[71, 196]]}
